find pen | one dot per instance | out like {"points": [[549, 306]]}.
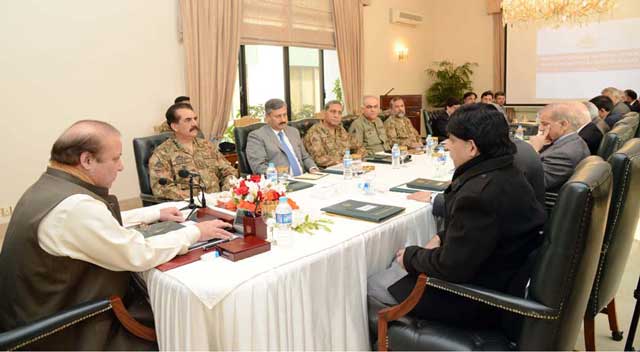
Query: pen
{"points": [[210, 245]]}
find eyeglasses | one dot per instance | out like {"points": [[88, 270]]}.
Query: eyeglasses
{"points": [[371, 106]]}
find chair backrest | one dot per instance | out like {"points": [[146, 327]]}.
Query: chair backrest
{"points": [[245, 121], [629, 119], [566, 263], [621, 225], [427, 122], [347, 120], [303, 125], [615, 139], [143, 149], [241, 135]]}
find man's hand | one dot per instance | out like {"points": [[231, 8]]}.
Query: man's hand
{"points": [[213, 229], [400, 258], [314, 169], [422, 196], [171, 214], [540, 140], [433, 243]]}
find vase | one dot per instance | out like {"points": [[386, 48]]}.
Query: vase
{"points": [[255, 226]]}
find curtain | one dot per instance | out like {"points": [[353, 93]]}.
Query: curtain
{"points": [[302, 23], [348, 21], [211, 42], [494, 9]]}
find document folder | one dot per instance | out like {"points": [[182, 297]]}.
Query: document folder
{"points": [[364, 210]]}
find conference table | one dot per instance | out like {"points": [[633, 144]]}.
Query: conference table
{"points": [[306, 293]]}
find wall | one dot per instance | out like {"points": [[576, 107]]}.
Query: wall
{"points": [[119, 61], [458, 30]]}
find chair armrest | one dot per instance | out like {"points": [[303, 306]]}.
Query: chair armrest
{"points": [[148, 198], [23, 336], [513, 304], [41, 328]]}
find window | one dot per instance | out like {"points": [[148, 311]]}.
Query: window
{"points": [[304, 78]]}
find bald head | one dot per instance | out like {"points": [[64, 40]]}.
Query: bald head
{"points": [[82, 136]]}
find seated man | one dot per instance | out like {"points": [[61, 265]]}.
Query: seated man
{"points": [[164, 126], [589, 131], [184, 150], [605, 109], [327, 141], [399, 128], [486, 97], [440, 121], [485, 242], [277, 143], [631, 99], [469, 98], [368, 129], [559, 146], [595, 117], [617, 97], [500, 98], [65, 244]]}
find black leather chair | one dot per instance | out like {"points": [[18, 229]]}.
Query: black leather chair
{"points": [[241, 134], [562, 274], [24, 336], [348, 120], [143, 149], [303, 125], [618, 238], [615, 139], [426, 117]]}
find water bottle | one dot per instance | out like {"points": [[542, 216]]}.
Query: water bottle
{"points": [[346, 165], [441, 161], [520, 132], [430, 145], [395, 156], [284, 215], [272, 173]]}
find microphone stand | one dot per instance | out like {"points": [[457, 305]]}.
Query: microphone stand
{"points": [[192, 204]]}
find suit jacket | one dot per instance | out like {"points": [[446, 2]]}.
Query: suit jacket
{"points": [[592, 135], [612, 118], [635, 106], [263, 147], [560, 159], [620, 108], [527, 160], [493, 222]]}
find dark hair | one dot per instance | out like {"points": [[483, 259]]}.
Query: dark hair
{"points": [[486, 126], [485, 93], [631, 94], [468, 94], [451, 102], [171, 115], [394, 99], [82, 136], [181, 99], [499, 93], [603, 102], [332, 102]]}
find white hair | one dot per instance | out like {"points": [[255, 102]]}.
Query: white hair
{"points": [[592, 108]]}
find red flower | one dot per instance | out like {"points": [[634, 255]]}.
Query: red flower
{"points": [[255, 178], [242, 189]]}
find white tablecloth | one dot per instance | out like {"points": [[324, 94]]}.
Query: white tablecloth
{"points": [[309, 295]]}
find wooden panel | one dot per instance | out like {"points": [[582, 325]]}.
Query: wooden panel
{"points": [[412, 107]]}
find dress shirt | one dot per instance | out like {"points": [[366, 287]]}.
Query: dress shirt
{"points": [[286, 141], [82, 228]]}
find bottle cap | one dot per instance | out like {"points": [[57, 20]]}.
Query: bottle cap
{"points": [[283, 199], [271, 165]]}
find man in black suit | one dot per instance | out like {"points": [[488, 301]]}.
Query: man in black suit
{"points": [[439, 122], [588, 130], [493, 222], [605, 109], [631, 99]]}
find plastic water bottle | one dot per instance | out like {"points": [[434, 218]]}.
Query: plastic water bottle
{"points": [[430, 145], [395, 157], [520, 132], [346, 165], [441, 162], [284, 215], [272, 173]]}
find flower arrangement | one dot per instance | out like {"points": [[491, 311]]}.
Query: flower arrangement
{"points": [[253, 193]]}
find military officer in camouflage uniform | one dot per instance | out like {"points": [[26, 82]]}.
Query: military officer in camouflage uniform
{"points": [[185, 151], [368, 129], [399, 128], [327, 141], [164, 126]]}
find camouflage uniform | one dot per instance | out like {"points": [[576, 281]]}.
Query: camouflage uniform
{"points": [[400, 130], [169, 157], [163, 127], [371, 134], [327, 145]]}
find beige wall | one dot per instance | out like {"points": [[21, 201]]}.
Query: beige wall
{"points": [[457, 30], [64, 60]]}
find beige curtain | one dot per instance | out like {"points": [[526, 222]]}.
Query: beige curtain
{"points": [[494, 9], [348, 20], [211, 42]]}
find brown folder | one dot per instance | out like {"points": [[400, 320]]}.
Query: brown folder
{"points": [[244, 247]]}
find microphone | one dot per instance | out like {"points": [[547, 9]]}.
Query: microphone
{"points": [[184, 173], [389, 91], [163, 181]]}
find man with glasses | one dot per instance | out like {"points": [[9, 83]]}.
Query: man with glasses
{"points": [[559, 146], [368, 129]]}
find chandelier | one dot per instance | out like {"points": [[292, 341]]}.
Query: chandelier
{"points": [[553, 12]]}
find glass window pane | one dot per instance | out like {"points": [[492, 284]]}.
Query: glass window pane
{"points": [[304, 74], [332, 83], [265, 76], [235, 109]]}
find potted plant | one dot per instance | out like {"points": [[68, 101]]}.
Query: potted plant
{"points": [[448, 81]]}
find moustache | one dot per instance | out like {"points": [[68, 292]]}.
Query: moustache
{"points": [[194, 128], [400, 114]]}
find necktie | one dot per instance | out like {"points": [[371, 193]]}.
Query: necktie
{"points": [[293, 162]]}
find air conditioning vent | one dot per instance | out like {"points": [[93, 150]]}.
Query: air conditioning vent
{"points": [[406, 17]]}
